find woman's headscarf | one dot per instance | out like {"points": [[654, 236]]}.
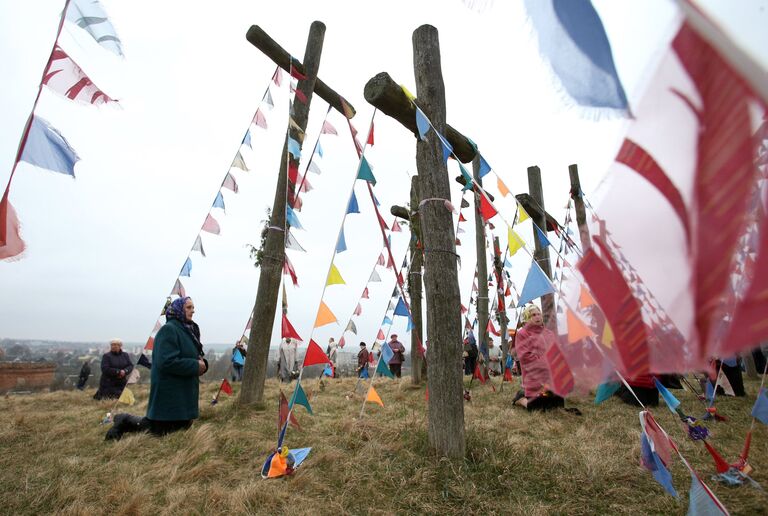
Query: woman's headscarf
{"points": [[176, 311]]}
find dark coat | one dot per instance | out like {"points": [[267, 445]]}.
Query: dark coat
{"points": [[175, 388], [110, 384]]}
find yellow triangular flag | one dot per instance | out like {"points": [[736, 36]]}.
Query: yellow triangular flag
{"points": [[408, 94], [324, 316], [334, 277], [373, 396], [515, 242], [577, 330], [522, 215], [585, 299], [503, 190], [607, 336], [127, 397]]}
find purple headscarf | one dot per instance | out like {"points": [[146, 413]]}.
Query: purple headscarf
{"points": [[176, 311]]}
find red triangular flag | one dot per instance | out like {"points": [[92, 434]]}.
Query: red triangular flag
{"points": [[478, 375], [463, 309], [381, 260], [288, 269], [300, 96], [226, 387], [283, 414], [150, 344], [342, 342], [370, 135], [507, 375], [295, 73], [358, 309], [315, 355], [365, 293], [390, 263], [380, 335], [287, 329], [486, 210], [492, 329], [461, 218], [293, 172], [396, 226], [278, 77], [720, 463]]}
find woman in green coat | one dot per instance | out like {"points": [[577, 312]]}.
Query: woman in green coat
{"points": [[177, 362]]}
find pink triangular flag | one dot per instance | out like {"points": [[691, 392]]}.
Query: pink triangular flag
{"points": [[259, 119], [365, 293], [211, 226], [328, 128], [396, 226], [358, 309]]}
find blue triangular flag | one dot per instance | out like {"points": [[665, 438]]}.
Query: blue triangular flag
{"points": [[422, 124], [543, 240], [238, 358], [710, 392], [447, 149], [467, 178], [410, 324], [341, 245], [186, 269], [507, 263], [247, 139], [300, 398], [319, 149], [299, 454], [669, 398], [218, 202], [46, 148], [294, 148], [386, 353], [382, 369], [386, 320], [700, 502], [292, 219], [760, 410], [605, 391], [144, 361], [652, 461], [365, 173], [401, 309], [484, 168], [536, 285], [353, 207]]}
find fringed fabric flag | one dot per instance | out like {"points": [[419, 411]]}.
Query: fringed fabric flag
{"points": [[373, 397], [300, 398], [292, 243], [230, 183], [90, 16], [328, 128], [288, 269], [341, 244], [334, 277], [315, 355], [422, 124], [127, 397], [259, 119], [365, 173], [66, 78], [375, 278], [211, 226], [186, 269], [486, 209], [46, 148], [239, 162], [292, 219], [198, 245], [13, 245], [572, 39], [324, 316], [287, 330], [536, 285], [218, 202], [515, 241]]}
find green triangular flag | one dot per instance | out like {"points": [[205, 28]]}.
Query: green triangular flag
{"points": [[605, 391], [383, 370], [300, 398], [365, 172]]}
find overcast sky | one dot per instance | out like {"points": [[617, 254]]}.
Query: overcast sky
{"points": [[104, 250]]}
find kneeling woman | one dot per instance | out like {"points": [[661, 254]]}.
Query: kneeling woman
{"points": [[531, 342]]}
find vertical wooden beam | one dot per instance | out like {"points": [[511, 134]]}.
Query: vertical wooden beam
{"points": [[445, 424], [541, 255], [255, 373], [502, 309], [414, 284], [482, 266], [578, 201]]}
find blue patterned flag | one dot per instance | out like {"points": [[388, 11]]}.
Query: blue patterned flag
{"points": [[46, 148]]}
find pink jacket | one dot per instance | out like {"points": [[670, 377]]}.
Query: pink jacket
{"points": [[531, 342]]}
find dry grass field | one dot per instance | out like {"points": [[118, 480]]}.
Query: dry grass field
{"points": [[54, 460]]}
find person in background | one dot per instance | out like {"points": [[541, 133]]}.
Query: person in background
{"points": [[116, 365], [286, 363], [332, 351], [85, 373], [398, 356], [470, 354], [531, 342], [362, 361], [494, 359], [238, 362]]}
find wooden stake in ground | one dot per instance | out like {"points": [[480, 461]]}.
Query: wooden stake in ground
{"points": [[273, 252], [446, 402]]}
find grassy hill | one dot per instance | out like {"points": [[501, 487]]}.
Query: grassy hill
{"points": [[53, 458]]}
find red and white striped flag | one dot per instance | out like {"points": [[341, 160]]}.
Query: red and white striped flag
{"points": [[66, 78]]}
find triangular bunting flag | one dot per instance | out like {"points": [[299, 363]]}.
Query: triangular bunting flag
{"points": [[66, 78], [127, 397], [314, 168], [577, 330], [259, 119], [300, 398], [292, 219], [178, 290], [607, 338], [328, 128], [352, 207], [422, 124], [536, 285], [365, 173], [341, 244], [211, 226], [149, 346], [468, 184], [522, 215], [315, 355], [701, 500], [334, 277], [375, 278], [198, 245], [287, 330], [292, 243], [324, 316], [484, 168], [380, 335], [486, 209], [247, 139], [230, 183], [294, 148], [144, 361], [365, 294], [543, 240], [358, 309], [396, 226], [268, 99], [760, 409], [226, 387], [447, 148], [46, 148], [351, 327], [373, 397], [239, 162], [186, 269], [503, 190], [401, 309], [92, 18], [669, 398], [218, 202], [585, 299], [382, 369], [605, 391], [515, 242], [238, 358]]}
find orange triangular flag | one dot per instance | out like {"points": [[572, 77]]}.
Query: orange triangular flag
{"points": [[577, 330], [373, 396], [585, 299], [324, 316], [503, 190]]}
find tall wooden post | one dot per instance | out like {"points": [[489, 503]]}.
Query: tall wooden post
{"points": [[252, 392], [502, 308], [414, 284], [445, 425], [541, 255], [482, 265], [578, 202]]}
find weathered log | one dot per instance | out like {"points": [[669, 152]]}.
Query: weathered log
{"points": [[482, 267], [463, 182], [445, 420], [534, 210], [541, 254], [578, 201], [252, 392], [261, 40], [401, 212], [414, 285], [388, 97]]}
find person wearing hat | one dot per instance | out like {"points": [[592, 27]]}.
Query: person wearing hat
{"points": [[362, 361], [398, 356], [116, 366]]}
